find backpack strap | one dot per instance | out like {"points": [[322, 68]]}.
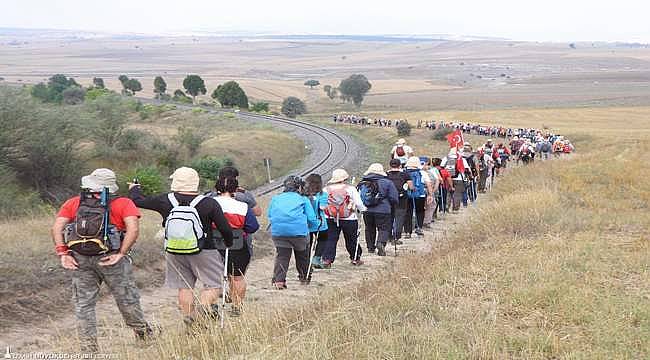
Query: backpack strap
{"points": [[172, 199], [196, 201]]}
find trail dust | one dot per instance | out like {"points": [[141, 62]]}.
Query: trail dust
{"points": [[160, 304]]}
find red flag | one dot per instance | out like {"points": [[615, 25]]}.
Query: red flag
{"points": [[460, 166], [456, 139]]}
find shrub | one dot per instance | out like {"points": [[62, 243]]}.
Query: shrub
{"points": [[73, 95], [14, 199], [197, 111], [208, 168], [189, 138], [404, 128], [133, 140], [260, 106], [94, 93], [149, 177], [441, 134], [292, 107]]}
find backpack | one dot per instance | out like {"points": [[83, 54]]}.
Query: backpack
{"points": [[450, 166], [183, 227], [338, 203], [400, 151], [546, 147], [472, 166], [87, 234], [419, 190], [566, 149], [398, 180], [370, 193], [525, 150]]}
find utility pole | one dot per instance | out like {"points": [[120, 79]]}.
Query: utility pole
{"points": [[267, 163]]}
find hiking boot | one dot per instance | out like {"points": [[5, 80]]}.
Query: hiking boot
{"points": [[305, 281], [419, 232], [397, 242], [381, 250], [316, 262], [144, 334], [280, 285], [327, 264], [357, 262]]}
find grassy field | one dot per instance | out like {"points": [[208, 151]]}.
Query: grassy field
{"points": [[552, 264]]}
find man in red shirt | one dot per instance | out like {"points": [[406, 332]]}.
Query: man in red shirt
{"points": [[111, 265]]}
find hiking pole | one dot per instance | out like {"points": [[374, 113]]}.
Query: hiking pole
{"points": [[356, 247], [395, 234], [312, 240], [225, 283]]}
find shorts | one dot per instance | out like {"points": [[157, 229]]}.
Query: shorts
{"points": [[183, 271], [238, 261]]}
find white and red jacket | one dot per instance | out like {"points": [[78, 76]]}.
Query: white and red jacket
{"points": [[238, 214]]}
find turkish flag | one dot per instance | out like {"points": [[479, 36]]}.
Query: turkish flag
{"points": [[456, 139]]}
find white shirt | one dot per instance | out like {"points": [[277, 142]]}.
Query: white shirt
{"points": [[459, 175]]}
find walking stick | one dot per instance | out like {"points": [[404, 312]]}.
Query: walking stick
{"points": [[225, 283], [312, 240], [356, 247]]}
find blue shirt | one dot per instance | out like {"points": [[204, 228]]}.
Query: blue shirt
{"points": [[319, 203], [291, 214]]}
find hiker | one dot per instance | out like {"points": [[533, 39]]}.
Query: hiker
{"points": [[434, 175], [419, 195], [472, 173], [243, 222], [190, 248], [290, 216], [241, 194], [379, 195], [401, 151], [501, 156], [486, 164], [446, 187], [456, 165], [95, 259], [402, 183], [317, 233], [343, 202]]}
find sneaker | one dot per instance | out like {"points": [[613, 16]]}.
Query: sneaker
{"points": [[316, 262], [144, 334], [419, 232], [357, 262], [326, 264], [397, 242], [381, 251], [305, 281]]}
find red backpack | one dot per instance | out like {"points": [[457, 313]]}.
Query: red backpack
{"points": [[338, 203], [400, 151]]}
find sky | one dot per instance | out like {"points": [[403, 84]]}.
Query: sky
{"points": [[547, 20]]}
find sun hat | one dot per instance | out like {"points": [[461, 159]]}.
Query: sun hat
{"points": [[401, 142], [339, 176], [375, 168], [100, 179], [185, 179], [413, 162]]}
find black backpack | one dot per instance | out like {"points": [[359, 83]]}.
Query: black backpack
{"points": [[472, 166], [398, 179], [87, 235]]}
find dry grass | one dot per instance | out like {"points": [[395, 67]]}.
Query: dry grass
{"points": [[555, 265]]}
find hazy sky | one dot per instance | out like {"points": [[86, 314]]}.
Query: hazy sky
{"points": [[544, 20]]}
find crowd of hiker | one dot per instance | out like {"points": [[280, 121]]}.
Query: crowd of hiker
{"points": [[208, 237]]}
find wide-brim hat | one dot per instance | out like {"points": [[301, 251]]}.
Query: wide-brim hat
{"points": [[185, 179], [401, 142], [375, 168], [100, 179], [413, 162], [338, 176]]}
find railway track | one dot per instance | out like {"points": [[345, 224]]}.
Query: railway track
{"points": [[328, 149]]}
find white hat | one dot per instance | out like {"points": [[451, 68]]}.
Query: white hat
{"points": [[339, 176], [413, 162], [100, 179], [375, 168], [185, 179], [401, 142]]}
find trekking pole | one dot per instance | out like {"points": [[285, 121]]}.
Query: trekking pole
{"points": [[225, 284], [312, 240], [356, 247], [395, 234]]}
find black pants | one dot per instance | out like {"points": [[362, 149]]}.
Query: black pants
{"points": [[349, 228], [376, 223], [397, 222], [416, 205], [282, 258], [320, 237]]}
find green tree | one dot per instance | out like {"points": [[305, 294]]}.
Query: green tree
{"points": [[403, 128], [354, 88], [208, 167], [41, 92], [194, 86], [109, 114], [133, 86], [292, 107], [312, 83], [260, 106], [53, 91], [230, 94], [159, 86], [98, 83]]}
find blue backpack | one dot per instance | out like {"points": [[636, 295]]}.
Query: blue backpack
{"points": [[419, 190], [370, 193]]}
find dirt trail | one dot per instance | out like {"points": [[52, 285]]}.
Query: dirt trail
{"points": [[160, 304]]}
